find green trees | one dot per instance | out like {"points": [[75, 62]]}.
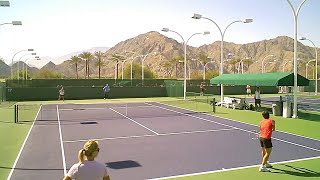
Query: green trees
{"points": [[47, 74], [75, 60], [87, 56], [99, 63], [137, 72]]}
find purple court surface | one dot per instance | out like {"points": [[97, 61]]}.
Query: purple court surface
{"points": [[146, 141]]}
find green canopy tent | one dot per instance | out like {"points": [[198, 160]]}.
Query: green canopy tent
{"points": [[260, 79]]}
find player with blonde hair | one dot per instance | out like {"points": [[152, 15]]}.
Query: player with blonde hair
{"points": [[88, 168]]}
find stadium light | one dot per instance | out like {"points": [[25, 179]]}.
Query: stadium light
{"points": [[199, 16], [4, 4], [13, 58], [295, 65], [184, 43], [316, 54]]}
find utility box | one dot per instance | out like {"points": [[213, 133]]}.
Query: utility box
{"points": [[287, 109]]}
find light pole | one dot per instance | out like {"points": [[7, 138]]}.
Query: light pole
{"points": [[185, 57], [115, 71], [35, 58], [262, 63], [316, 53], [131, 71], [13, 58], [204, 69], [285, 65], [4, 4], [25, 64], [199, 16], [264, 69], [143, 58], [192, 59], [15, 23], [33, 54], [264, 66], [307, 67], [241, 63], [295, 66], [122, 66]]}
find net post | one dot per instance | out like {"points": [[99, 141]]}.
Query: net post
{"points": [[15, 113], [214, 105]]}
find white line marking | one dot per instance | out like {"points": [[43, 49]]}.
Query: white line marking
{"points": [[153, 135], [119, 107], [25, 140], [134, 121], [231, 169], [239, 121], [237, 128], [61, 143]]}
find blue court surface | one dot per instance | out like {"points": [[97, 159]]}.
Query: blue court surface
{"points": [[147, 140]]}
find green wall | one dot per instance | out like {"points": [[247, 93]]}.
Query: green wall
{"points": [[50, 93]]}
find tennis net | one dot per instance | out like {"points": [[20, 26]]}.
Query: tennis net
{"points": [[24, 113], [78, 113]]}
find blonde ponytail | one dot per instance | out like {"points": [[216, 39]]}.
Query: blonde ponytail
{"points": [[81, 156], [89, 150]]}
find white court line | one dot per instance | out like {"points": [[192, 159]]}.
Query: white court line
{"points": [[307, 147], [25, 140], [134, 121], [231, 169], [241, 122], [61, 143], [83, 109], [151, 135]]}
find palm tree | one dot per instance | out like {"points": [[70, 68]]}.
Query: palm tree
{"points": [[74, 61], [167, 68], [100, 63], [248, 62], [233, 63], [88, 57], [116, 58]]}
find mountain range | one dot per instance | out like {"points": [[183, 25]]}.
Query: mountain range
{"points": [[166, 49]]}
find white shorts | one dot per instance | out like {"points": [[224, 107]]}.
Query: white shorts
{"points": [[248, 91]]}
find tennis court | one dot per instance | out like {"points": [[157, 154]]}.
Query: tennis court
{"points": [[147, 140]]}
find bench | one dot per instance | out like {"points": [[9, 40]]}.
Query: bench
{"points": [[233, 102]]}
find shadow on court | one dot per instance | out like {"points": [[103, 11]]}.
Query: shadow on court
{"points": [[123, 164], [295, 171], [309, 116]]}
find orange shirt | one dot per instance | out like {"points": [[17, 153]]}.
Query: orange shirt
{"points": [[266, 128]]}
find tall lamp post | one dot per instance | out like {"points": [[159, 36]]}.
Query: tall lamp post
{"points": [[204, 69], [264, 69], [241, 64], [13, 58], [184, 43], [33, 54], [199, 16], [4, 4], [15, 23], [285, 65], [142, 64], [316, 53], [307, 67], [295, 66], [34, 58], [262, 63]]}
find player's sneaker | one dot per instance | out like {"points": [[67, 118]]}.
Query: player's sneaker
{"points": [[268, 165], [264, 169]]}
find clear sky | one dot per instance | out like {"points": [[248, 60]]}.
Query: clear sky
{"points": [[59, 27]]}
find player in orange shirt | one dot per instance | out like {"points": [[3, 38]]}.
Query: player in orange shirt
{"points": [[267, 126]]}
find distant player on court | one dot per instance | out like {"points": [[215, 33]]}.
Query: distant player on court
{"points": [[201, 89], [248, 87], [267, 126], [106, 90], [61, 94]]}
